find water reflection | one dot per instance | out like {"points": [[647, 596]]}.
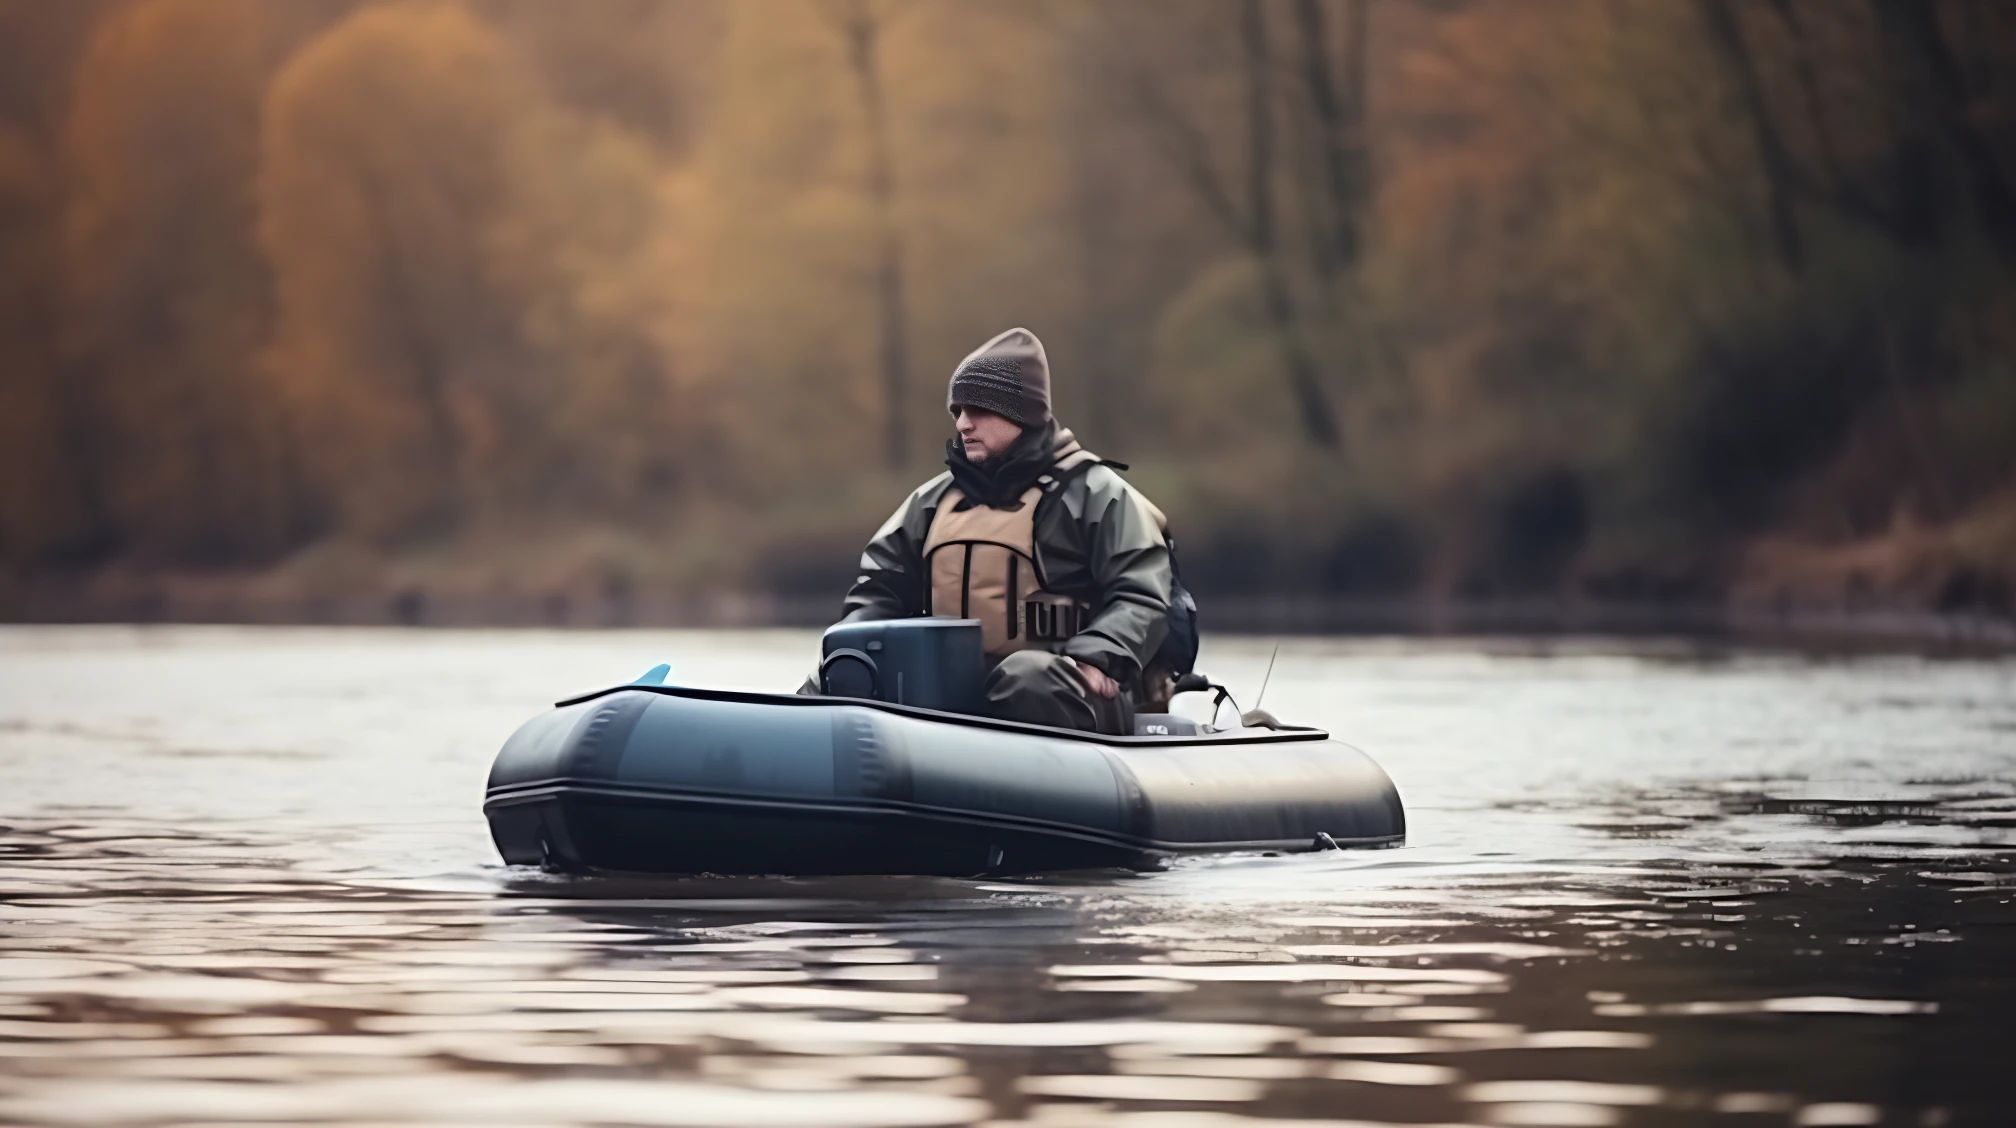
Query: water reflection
{"points": [[1487, 998], [1761, 943]]}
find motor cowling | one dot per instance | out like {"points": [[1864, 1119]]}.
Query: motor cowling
{"points": [[928, 663]]}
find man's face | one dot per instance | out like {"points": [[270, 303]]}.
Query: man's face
{"points": [[983, 434]]}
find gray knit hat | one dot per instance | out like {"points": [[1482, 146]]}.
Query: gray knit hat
{"points": [[1008, 375]]}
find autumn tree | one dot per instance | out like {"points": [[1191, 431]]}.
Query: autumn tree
{"points": [[45, 509], [794, 229], [166, 297], [1237, 186], [1473, 297], [861, 26], [645, 66], [454, 330]]}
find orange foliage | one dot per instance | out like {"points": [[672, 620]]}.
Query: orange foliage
{"points": [[1511, 296], [165, 294]]}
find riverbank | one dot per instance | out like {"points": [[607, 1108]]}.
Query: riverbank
{"points": [[393, 597]]}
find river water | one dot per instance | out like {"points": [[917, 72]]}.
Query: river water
{"points": [[244, 879]]}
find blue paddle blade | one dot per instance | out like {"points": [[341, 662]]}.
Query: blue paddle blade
{"points": [[656, 675]]}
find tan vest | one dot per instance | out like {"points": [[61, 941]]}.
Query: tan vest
{"points": [[982, 564]]}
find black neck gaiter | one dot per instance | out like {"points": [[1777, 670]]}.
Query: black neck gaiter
{"points": [[1003, 478]]}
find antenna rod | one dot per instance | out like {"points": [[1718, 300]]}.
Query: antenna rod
{"points": [[1269, 675]]}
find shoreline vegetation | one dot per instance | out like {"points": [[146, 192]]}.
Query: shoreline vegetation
{"points": [[1874, 627], [1854, 616], [1479, 315]]}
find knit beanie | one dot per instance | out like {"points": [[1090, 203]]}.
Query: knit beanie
{"points": [[1009, 375]]}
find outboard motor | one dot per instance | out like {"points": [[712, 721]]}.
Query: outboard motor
{"points": [[930, 663]]}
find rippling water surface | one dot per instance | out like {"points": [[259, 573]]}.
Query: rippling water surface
{"points": [[244, 879]]}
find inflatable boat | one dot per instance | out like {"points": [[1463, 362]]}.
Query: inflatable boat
{"points": [[671, 779]]}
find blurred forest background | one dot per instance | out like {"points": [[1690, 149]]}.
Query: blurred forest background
{"points": [[643, 309]]}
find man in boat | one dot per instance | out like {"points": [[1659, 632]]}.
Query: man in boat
{"points": [[1065, 565]]}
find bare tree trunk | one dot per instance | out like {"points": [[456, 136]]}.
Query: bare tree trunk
{"points": [[76, 387], [1726, 35], [80, 435], [863, 31], [1187, 146], [1338, 102], [1357, 147], [1340, 118], [1809, 90], [430, 378], [1835, 185], [1091, 202], [1939, 89], [1319, 421]]}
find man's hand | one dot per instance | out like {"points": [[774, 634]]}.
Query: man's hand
{"points": [[1095, 679]]}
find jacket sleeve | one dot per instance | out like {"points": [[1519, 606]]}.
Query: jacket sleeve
{"points": [[1128, 561], [890, 583]]}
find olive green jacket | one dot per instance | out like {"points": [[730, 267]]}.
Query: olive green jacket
{"points": [[1097, 541]]}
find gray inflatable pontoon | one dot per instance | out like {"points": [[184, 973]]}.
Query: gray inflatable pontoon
{"points": [[659, 779]]}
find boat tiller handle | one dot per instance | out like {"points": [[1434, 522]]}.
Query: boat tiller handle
{"points": [[1194, 681]]}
